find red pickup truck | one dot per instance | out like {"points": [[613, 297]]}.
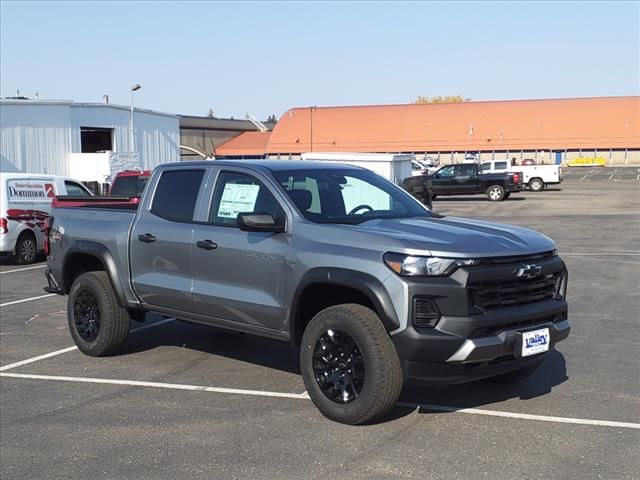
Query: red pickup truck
{"points": [[129, 183]]}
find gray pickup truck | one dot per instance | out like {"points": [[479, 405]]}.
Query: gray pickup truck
{"points": [[373, 288]]}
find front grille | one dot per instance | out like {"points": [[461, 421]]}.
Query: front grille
{"points": [[517, 258], [515, 291]]}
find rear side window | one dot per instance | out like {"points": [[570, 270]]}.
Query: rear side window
{"points": [[176, 195], [129, 186], [75, 189], [501, 165]]}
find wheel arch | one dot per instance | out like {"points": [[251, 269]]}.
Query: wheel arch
{"points": [[85, 256], [323, 287]]}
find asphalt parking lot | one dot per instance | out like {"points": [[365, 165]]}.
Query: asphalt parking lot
{"points": [[186, 401]]}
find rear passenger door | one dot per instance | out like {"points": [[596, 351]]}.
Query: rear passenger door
{"points": [[160, 246], [240, 276]]}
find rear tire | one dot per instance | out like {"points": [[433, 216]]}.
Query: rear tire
{"points": [[349, 364], [99, 325], [26, 248], [495, 193], [536, 185], [516, 375]]}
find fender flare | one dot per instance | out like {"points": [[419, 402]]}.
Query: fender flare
{"points": [[363, 282], [103, 254]]}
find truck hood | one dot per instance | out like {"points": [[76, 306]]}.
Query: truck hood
{"points": [[451, 236]]}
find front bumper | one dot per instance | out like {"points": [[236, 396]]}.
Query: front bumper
{"points": [[468, 342]]}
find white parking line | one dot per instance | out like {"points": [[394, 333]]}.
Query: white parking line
{"points": [[524, 416], [304, 396], [71, 349], [35, 359], [22, 269], [27, 300], [171, 386]]}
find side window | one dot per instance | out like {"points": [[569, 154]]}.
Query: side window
{"points": [[446, 171], [501, 165], [485, 166], [466, 170], [75, 189], [176, 195], [239, 193]]}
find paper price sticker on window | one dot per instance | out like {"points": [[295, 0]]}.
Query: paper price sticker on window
{"points": [[237, 198]]}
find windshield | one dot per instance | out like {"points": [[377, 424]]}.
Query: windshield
{"points": [[347, 196]]}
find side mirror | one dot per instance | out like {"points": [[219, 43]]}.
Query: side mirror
{"points": [[259, 222]]}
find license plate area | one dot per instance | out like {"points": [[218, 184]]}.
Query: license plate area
{"points": [[532, 342]]}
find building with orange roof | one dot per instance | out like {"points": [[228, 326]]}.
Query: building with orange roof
{"points": [[550, 130], [247, 144]]}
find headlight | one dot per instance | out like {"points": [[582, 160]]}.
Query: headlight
{"points": [[411, 266]]}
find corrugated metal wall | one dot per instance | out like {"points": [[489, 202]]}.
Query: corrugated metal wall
{"points": [[35, 138], [157, 137], [40, 136]]}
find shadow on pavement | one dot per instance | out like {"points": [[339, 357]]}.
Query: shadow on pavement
{"points": [[281, 356], [237, 346], [478, 198]]}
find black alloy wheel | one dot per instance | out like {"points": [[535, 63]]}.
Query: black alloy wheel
{"points": [[338, 366], [86, 316]]}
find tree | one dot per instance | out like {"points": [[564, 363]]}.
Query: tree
{"points": [[272, 119], [210, 114], [441, 99]]}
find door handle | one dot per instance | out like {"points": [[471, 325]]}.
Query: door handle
{"points": [[147, 238], [206, 244]]}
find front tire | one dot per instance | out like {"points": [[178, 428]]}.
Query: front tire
{"points": [[536, 185], [495, 193], [26, 248], [99, 325], [349, 364]]}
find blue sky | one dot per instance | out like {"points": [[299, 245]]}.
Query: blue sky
{"points": [[265, 57]]}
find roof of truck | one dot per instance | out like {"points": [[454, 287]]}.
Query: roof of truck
{"points": [[273, 165]]}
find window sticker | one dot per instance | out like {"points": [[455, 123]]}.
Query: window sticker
{"points": [[237, 198]]}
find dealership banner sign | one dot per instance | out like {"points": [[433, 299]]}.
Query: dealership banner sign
{"points": [[30, 191]]}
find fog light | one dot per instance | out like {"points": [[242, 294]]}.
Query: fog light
{"points": [[425, 313]]}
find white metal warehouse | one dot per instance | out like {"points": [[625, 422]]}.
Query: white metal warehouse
{"points": [[88, 141]]}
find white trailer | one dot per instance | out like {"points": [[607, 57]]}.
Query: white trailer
{"points": [[394, 167]]}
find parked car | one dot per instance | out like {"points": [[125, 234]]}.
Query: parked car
{"points": [[25, 204], [418, 168], [464, 179], [535, 177], [129, 183], [370, 286]]}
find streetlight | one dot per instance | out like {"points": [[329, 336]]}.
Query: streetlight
{"points": [[311, 109], [134, 88]]}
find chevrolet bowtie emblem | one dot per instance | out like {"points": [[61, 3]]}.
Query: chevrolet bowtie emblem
{"points": [[528, 271]]}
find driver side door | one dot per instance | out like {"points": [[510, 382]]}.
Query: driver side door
{"points": [[442, 180]]}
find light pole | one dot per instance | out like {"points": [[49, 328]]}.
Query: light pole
{"points": [[134, 88], [311, 109]]}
